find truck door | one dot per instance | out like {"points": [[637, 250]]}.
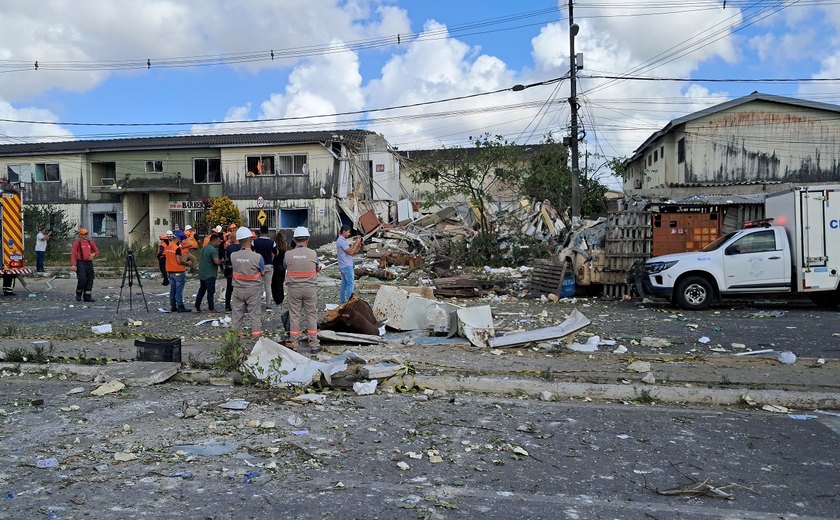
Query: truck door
{"points": [[755, 262]]}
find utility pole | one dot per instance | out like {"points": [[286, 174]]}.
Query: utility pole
{"points": [[573, 105]]}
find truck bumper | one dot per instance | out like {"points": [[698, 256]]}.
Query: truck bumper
{"points": [[657, 291]]}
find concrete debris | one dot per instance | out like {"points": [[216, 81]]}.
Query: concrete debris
{"points": [[655, 342], [573, 323], [649, 379], [108, 388], [141, 374], [190, 412], [366, 388], [235, 404], [310, 398], [639, 366], [775, 408], [546, 396], [279, 366], [121, 456], [102, 329]]}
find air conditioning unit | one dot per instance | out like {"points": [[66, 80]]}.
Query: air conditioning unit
{"points": [[107, 181]]}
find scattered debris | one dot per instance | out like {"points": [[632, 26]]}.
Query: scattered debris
{"points": [[367, 388], [801, 417], [102, 329], [51, 462], [574, 322], [122, 456], [786, 358], [775, 408], [235, 404], [649, 379]]}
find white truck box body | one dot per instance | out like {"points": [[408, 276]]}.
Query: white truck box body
{"points": [[810, 216]]}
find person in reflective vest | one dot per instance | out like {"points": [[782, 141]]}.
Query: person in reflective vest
{"points": [[248, 268], [302, 269]]}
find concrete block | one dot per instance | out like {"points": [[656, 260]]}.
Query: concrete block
{"points": [[141, 373]]}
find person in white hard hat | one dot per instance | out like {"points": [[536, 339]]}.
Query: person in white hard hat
{"points": [[248, 269], [302, 269]]}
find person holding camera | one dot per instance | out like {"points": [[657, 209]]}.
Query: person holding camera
{"points": [[44, 234], [345, 262]]}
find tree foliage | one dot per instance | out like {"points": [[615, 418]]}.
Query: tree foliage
{"points": [[37, 215], [548, 177], [473, 173], [223, 211]]}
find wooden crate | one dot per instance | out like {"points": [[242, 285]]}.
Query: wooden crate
{"points": [[547, 277]]}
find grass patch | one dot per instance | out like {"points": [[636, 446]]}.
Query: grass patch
{"points": [[15, 355]]}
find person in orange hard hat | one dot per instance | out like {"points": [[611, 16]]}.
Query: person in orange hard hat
{"points": [[189, 245], [81, 260]]}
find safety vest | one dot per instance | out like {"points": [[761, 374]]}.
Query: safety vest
{"points": [[301, 266], [248, 268], [172, 251]]}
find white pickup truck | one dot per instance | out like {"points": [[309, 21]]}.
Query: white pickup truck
{"points": [[796, 249]]}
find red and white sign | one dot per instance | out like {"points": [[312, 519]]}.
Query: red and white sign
{"points": [[260, 202]]}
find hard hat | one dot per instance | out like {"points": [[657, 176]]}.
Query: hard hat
{"points": [[301, 232], [180, 235], [187, 227], [218, 229], [162, 236], [243, 233], [83, 231], [169, 233]]}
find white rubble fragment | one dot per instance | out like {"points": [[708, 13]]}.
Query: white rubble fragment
{"points": [[108, 388], [649, 379], [639, 366], [366, 388]]}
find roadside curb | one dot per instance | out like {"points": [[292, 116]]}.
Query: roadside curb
{"points": [[534, 388], [629, 392]]}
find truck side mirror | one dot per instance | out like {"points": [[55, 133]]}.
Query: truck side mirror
{"points": [[734, 249]]}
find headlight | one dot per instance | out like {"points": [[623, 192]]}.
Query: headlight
{"points": [[658, 267]]}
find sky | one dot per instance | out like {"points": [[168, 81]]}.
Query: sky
{"points": [[129, 68]]}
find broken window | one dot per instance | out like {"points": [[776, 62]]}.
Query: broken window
{"points": [[47, 172], [292, 218], [207, 171], [293, 164], [260, 165], [104, 224], [103, 173], [154, 166], [16, 172]]}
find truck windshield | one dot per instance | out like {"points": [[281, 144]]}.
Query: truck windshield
{"points": [[719, 242]]}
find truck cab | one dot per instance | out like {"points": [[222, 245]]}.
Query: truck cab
{"points": [[756, 259]]}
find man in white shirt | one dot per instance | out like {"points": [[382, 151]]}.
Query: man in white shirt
{"points": [[41, 238]]}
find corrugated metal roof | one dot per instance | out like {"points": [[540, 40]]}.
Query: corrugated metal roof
{"points": [[183, 141], [712, 184]]}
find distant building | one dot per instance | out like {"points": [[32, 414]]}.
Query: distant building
{"points": [[131, 190], [739, 147]]}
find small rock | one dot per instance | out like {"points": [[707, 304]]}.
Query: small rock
{"points": [[268, 425], [639, 366], [649, 379], [124, 457], [253, 423], [77, 390], [403, 466], [108, 388], [655, 342], [190, 411], [546, 396], [621, 349]]}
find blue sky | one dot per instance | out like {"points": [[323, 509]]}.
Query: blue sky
{"points": [[446, 50]]}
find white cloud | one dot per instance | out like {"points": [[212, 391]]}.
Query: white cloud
{"points": [[10, 132]]}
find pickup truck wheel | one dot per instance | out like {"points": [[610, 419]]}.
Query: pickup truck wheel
{"points": [[694, 293], [826, 299]]}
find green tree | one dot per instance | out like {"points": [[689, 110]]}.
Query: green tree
{"points": [[223, 211], [475, 173], [37, 215], [548, 177]]}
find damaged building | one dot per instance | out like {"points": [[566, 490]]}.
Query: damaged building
{"points": [[131, 190]]}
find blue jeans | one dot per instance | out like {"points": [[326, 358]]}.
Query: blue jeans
{"points": [[347, 280], [176, 290], [39, 260], [207, 286]]}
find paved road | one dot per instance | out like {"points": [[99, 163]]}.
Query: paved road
{"points": [[499, 458]]}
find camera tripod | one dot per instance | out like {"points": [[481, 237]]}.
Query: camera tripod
{"points": [[129, 275]]}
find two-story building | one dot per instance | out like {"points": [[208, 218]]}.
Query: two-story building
{"points": [[131, 190], [707, 173]]}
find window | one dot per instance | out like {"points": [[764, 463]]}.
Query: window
{"points": [[260, 165], [292, 218], [47, 172], [655, 155], [681, 150], [103, 173], [207, 171], [292, 165], [662, 152], [270, 218], [104, 224], [14, 172], [650, 160], [154, 166], [762, 241]]}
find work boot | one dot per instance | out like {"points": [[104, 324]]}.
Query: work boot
{"points": [[78, 296], [165, 281], [8, 292], [182, 309], [88, 298]]}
